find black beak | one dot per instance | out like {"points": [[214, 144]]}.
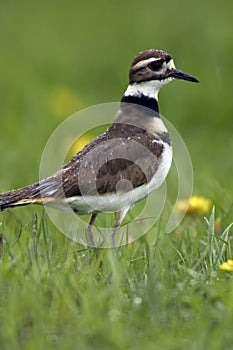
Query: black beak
{"points": [[181, 75]]}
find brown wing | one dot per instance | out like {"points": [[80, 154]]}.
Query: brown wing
{"points": [[98, 168]]}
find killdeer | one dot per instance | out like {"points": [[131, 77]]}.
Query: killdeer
{"points": [[123, 165]]}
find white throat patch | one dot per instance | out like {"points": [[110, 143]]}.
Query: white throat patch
{"points": [[147, 88]]}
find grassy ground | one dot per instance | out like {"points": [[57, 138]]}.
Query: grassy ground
{"points": [[164, 291], [161, 292]]}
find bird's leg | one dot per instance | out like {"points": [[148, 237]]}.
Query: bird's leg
{"points": [[119, 217], [89, 233]]}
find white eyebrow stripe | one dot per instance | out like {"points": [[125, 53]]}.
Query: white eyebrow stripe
{"points": [[171, 64], [144, 63]]}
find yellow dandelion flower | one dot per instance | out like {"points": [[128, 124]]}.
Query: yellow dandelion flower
{"points": [[63, 102], [227, 266], [194, 205]]}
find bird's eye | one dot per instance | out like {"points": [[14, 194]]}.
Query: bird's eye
{"points": [[156, 65]]}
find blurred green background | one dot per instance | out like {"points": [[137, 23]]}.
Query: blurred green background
{"points": [[162, 292], [60, 56]]}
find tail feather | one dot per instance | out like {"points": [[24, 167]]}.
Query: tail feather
{"points": [[43, 192], [22, 196]]}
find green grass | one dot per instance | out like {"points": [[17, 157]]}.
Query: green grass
{"points": [[161, 292], [164, 291]]}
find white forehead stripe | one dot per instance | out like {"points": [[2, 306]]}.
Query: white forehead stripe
{"points": [[171, 65], [144, 63]]}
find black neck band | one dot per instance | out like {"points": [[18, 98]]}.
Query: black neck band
{"points": [[142, 100]]}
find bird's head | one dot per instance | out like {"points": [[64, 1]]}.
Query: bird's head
{"points": [[157, 66]]}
